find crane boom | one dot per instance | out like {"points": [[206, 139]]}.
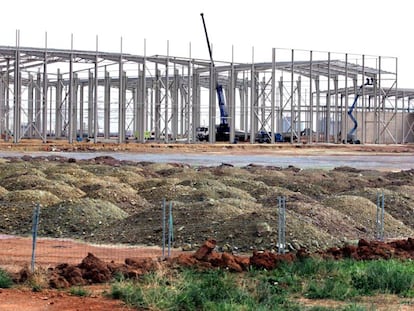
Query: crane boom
{"points": [[219, 88], [208, 41]]}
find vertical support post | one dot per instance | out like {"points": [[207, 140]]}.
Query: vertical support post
{"points": [[136, 108], [75, 105], [195, 102], [81, 114], [363, 110], [170, 229], [121, 101], [44, 98], [190, 91], [174, 105], [58, 106], [261, 113], [242, 91], [37, 122], [157, 99], [292, 103], [273, 98], [318, 108], [90, 105], [212, 106], [107, 104], [380, 217], [3, 89], [16, 90], [30, 92], [378, 102], [71, 95], [280, 128], [7, 99], [298, 123], [232, 100], [282, 225], [35, 224], [396, 103], [328, 104], [246, 106], [95, 96], [143, 98], [344, 127], [167, 91], [163, 227], [253, 101], [336, 111], [310, 136]]}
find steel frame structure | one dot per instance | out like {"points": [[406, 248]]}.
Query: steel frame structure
{"points": [[305, 95]]}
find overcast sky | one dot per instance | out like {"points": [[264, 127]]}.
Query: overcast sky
{"points": [[370, 27]]}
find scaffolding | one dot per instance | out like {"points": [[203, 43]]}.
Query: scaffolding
{"points": [[304, 96]]}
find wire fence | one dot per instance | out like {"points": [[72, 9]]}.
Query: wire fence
{"points": [[172, 230]]}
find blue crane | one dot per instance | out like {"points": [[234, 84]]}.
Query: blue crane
{"points": [[223, 130]]}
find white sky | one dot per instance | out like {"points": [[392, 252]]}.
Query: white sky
{"points": [[371, 27]]}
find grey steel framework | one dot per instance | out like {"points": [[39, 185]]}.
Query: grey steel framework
{"points": [[50, 93]]}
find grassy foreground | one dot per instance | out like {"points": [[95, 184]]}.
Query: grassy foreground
{"points": [[344, 281]]}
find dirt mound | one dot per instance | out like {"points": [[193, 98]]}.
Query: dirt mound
{"points": [[91, 270], [107, 200], [372, 250], [365, 212], [123, 195], [31, 197], [78, 218]]}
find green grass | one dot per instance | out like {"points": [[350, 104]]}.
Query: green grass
{"points": [[345, 281], [79, 291], [5, 279]]}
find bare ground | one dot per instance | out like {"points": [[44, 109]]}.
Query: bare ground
{"points": [[324, 208]]}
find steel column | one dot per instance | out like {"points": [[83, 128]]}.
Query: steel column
{"points": [[273, 97]]}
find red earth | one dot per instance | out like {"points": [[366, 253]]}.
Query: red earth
{"points": [[15, 253]]}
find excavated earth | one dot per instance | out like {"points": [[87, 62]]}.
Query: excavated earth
{"points": [[111, 201]]}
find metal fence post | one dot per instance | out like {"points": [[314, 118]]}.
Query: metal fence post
{"points": [[380, 217], [170, 229], [163, 228], [282, 225], [35, 225]]}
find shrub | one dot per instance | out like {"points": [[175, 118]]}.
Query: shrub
{"points": [[5, 279]]}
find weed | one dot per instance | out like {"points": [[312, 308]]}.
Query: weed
{"points": [[38, 280], [384, 276], [79, 291], [5, 279]]}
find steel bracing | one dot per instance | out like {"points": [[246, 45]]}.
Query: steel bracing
{"points": [[304, 96]]}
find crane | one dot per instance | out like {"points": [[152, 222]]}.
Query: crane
{"points": [[223, 129], [350, 137]]}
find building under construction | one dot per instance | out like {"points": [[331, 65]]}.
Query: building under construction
{"points": [[301, 96]]}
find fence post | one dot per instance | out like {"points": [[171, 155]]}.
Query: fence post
{"points": [[282, 225], [35, 224], [380, 217], [163, 228], [170, 229]]}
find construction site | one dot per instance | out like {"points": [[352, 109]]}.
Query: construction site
{"points": [[295, 96], [303, 152]]}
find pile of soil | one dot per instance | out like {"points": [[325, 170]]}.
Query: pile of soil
{"points": [[106, 200]]}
